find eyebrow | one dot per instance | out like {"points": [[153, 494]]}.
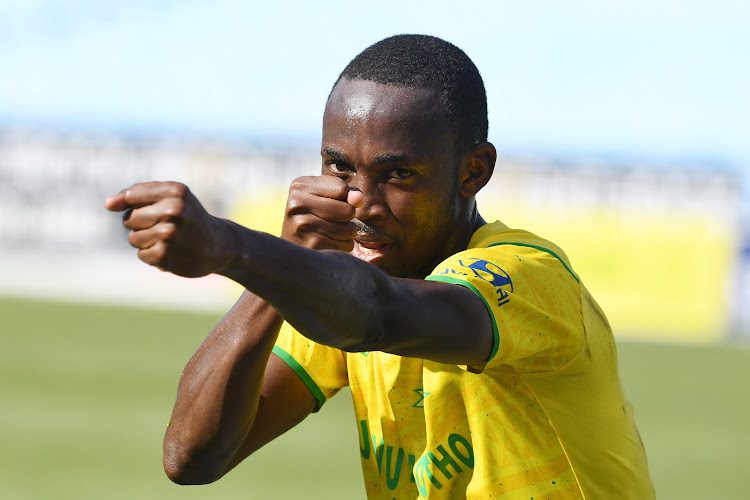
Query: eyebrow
{"points": [[390, 158], [337, 156], [381, 159]]}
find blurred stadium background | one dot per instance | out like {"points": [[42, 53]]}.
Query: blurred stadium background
{"points": [[623, 134]]}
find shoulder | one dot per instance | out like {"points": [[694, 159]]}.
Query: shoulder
{"points": [[497, 252], [531, 292]]}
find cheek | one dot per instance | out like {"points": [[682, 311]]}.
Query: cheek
{"points": [[426, 222], [411, 210], [436, 206], [423, 215]]}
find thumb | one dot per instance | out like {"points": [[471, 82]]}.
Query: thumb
{"points": [[355, 198], [116, 203]]}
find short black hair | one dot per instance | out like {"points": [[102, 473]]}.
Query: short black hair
{"points": [[423, 61]]}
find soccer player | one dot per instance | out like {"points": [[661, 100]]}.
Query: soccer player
{"points": [[479, 364]]}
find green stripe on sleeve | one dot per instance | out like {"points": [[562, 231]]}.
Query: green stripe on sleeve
{"points": [[537, 247], [466, 284], [302, 373]]}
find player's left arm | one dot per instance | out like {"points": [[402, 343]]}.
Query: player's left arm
{"points": [[330, 297]]}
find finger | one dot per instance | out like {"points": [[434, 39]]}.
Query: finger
{"points": [[147, 193], [320, 241], [325, 208], [339, 231], [146, 238], [355, 198], [167, 209], [327, 186], [155, 255], [311, 223], [341, 246], [116, 203], [307, 230]]}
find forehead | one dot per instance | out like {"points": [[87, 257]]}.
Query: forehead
{"points": [[383, 115]]}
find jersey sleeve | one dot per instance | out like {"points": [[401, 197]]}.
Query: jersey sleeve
{"points": [[534, 301], [321, 368]]}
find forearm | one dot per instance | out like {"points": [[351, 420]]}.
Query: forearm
{"points": [[329, 296], [340, 301], [219, 392]]}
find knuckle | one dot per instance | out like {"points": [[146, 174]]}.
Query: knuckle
{"points": [[129, 191], [133, 239], [315, 241], [146, 256], [293, 205], [176, 189], [340, 187], [160, 253], [175, 208], [304, 223], [167, 231], [298, 184], [134, 189], [154, 256], [348, 211]]}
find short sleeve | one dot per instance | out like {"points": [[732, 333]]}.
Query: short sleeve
{"points": [[534, 301], [321, 368]]}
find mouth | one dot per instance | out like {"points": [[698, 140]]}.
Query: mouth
{"points": [[370, 251]]}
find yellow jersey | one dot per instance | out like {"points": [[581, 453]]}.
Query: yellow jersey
{"points": [[544, 417]]}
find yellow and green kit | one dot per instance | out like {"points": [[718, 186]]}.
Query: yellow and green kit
{"points": [[544, 417]]}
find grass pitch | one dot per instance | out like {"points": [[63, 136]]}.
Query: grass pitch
{"points": [[86, 392]]}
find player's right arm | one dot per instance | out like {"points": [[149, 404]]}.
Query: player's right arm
{"points": [[234, 396]]}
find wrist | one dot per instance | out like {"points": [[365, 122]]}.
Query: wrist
{"points": [[229, 252]]}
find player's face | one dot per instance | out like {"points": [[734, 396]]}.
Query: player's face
{"points": [[392, 143]]}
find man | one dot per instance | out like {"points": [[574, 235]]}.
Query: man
{"points": [[479, 364]]}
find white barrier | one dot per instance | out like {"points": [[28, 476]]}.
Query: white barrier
{"points": [[57, 240]]}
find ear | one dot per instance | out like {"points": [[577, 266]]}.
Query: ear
{"points": [[476, 169]]}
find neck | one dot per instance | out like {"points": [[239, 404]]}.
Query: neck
{"points": [[475, 221], [478, 222], [459, 240]]}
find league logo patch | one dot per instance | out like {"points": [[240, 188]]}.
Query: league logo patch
{"points": [[493, 274]]}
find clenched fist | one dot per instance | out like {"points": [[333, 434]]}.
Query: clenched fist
{"points": [[319, 213], [172, 230]]}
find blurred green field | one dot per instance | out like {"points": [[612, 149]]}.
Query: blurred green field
{"points": [[86, 392]]}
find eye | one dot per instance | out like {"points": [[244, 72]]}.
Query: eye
{"points": [[400, 174], [338, 168]]}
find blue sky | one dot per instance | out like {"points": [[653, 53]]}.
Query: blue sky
{"points": [[666, 79]]}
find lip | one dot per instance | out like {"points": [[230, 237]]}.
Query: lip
{"points": [[370, 250]]}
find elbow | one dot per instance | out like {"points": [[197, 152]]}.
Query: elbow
{"points": [[178, 474], [184, 474], [183, 467]]}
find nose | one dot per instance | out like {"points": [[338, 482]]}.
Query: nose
{"points": [[367, 200]]}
